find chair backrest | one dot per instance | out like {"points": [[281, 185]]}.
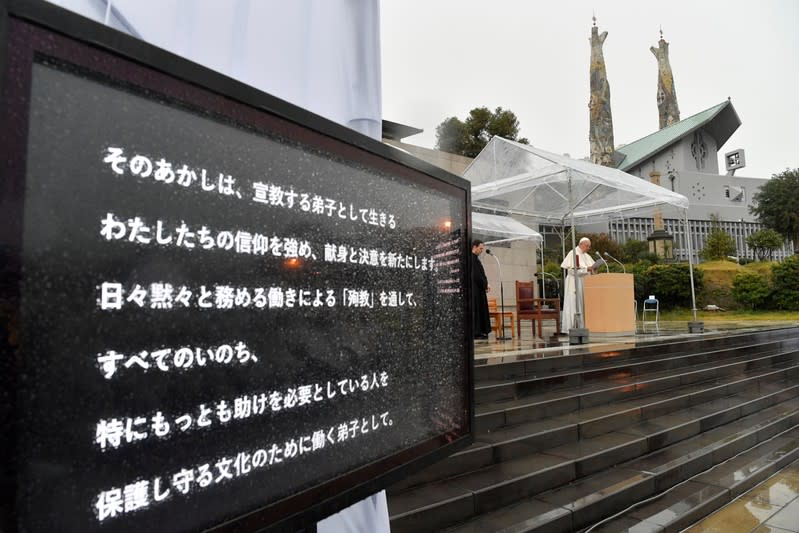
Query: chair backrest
{"points": [[492, 304], [524, 296]]}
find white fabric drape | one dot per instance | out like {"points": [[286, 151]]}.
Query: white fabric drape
{"points": [[322, 55]]}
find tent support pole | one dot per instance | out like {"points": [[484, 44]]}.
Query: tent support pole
{"points": [[694, 326], [578, 334], [542, 277], [562, 254]]}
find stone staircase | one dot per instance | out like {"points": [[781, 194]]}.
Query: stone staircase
{"points": [[653, 437]]}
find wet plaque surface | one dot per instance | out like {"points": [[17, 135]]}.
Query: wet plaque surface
{"points": [[215, 318]]}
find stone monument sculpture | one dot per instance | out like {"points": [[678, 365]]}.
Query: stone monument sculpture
{"points": [[601, 120], [668, 110]]}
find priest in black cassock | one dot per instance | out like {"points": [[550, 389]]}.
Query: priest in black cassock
{"points": [[481, 322]]}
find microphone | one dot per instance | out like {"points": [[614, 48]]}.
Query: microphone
{"points": [[488, 252], [619, 262], [606, 263]]}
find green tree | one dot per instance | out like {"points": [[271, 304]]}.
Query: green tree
{"points": [[785, 284], [451, 135], [764, 242], [468, 137], [671, 284], [750, 289], [638, 270], [776, 205], [633, 250], [719, 244]]}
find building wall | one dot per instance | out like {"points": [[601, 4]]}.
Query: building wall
{"points": [[517, 260], [453, 163], [697, 153], [730, 197], [680, 157], [709, 193]]}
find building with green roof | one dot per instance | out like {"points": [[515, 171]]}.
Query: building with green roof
{"points": [[685, 156]]}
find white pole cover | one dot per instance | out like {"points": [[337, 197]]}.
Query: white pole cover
{"points": [[322, 55]]}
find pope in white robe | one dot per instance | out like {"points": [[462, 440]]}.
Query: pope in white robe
{"points": [[578, 264]]}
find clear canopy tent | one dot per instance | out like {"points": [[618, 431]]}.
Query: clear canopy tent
{"points": [[504, 227], [518, 179], [515, 178]]}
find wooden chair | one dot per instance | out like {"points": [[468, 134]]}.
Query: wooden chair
{"points": [[535, 309], [497, 315]]}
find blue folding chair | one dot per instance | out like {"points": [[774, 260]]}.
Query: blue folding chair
{"points": [[651, 307]]}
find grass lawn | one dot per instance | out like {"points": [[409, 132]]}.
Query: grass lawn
{"points": [[710, 316]]}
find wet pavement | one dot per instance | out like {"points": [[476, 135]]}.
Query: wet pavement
{"points": [[772, 506]]}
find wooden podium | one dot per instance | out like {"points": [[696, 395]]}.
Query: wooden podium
{"points": [[609, 303]]}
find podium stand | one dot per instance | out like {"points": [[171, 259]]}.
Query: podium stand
{"points": [[609, 304]]}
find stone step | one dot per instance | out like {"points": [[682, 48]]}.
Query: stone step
{"points": [[689, 502], [553, 403], [655, 426], [488, 371], [588, 500], [630, 405], [527, 437], [596, 420], [503, 368], [443, 503], [498, 391]]}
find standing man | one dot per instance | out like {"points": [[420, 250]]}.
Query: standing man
{"points": [[578, 263], [481, 322]]}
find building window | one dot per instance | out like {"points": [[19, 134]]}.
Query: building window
{"points": [[734, 194], [699, 150]]}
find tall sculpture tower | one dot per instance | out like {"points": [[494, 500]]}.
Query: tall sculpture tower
{"points": [[600, 134], [668, 110]]}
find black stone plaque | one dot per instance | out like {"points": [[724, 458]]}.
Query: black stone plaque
{"points": [[213, 315]]}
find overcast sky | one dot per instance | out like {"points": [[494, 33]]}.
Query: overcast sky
{"points": [[441, 58]]}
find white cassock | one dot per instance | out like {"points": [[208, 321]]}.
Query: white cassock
{"points": [[570, 292]]}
